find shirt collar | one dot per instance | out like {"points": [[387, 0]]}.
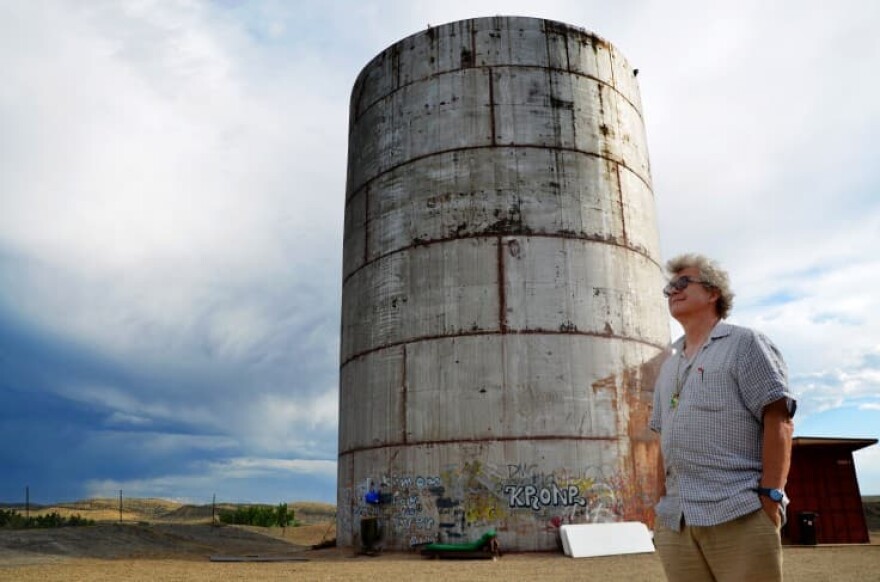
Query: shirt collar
{"points": [[720, 330]]}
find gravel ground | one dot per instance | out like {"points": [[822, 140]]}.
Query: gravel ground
{"points": [[181, 552]]}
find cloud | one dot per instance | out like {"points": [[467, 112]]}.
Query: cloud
{"points": [[124, 419], [240, 468], [120, 402], [826, 332], [150, 218], [232, 480], [153, 446], [820, 391], [758, 141]]}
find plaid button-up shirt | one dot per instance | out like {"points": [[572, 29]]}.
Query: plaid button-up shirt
{"points": [[709, 413]]}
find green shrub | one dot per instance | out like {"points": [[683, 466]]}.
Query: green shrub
{"points": [[53, 519], [283, 516], [14, 520], [77, 520], [259, 515]]}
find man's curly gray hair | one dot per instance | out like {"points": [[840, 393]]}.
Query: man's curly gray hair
{"points": [[711, 272]]}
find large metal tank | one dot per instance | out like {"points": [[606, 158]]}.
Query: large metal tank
{"points": [[502, 317]]}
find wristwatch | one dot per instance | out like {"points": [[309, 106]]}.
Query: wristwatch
{"points": [[777, 495]]}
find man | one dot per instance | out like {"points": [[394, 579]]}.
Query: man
{"points": [[723, 411]]}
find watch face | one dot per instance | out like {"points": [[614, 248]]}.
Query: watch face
{"points": [[776, 495]]}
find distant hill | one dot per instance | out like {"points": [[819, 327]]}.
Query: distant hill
{"points": [[162, 510], [307, 512], [872, 511]]}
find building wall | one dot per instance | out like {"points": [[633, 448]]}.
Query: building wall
{"points": [[822, 480]]}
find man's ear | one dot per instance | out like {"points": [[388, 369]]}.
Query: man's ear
{"points": [[714, 296]]}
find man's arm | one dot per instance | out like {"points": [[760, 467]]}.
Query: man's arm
{"points": [[778, 431]]}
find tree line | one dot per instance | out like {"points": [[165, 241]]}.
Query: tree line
{"points": [[260, 515], [12, 519]]}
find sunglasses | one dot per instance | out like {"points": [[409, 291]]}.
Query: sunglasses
{"points": [[681, 284]]}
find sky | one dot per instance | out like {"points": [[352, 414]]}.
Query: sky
{"points": [[172, 182]]}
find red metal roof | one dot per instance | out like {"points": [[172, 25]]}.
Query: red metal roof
{"points": [[848, 444]]}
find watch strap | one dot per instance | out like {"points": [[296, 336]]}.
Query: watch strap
{"points": [[768, 492]]}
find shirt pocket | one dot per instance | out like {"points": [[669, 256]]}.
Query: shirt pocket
{"points": [[711, 390]]}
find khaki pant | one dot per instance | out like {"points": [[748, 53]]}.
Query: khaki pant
{"points": [[746, 548]]}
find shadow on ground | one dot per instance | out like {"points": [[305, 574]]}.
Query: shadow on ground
{"points": [[144, 541]]}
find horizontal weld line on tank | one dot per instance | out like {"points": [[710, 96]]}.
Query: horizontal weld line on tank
{"points": [[620, 163], [492, 332], [489, 68], [409, 444], [495, 235]]}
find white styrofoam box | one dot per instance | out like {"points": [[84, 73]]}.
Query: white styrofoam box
{"points": [[587, 540]]}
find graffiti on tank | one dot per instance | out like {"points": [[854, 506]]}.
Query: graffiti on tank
{"points": [[420, 540], [520, 470], [529, 496], [602, 504], [413, 523], [481, 510], [556, 498], [419, 482], [408, 504], [463, 500]]}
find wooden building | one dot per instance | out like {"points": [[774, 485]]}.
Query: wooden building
{"points": [[826, 505]]}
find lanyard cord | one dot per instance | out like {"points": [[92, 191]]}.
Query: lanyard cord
{"points": [[681, 379]]}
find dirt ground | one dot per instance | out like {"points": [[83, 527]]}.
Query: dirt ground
{"points": [[169, 551]]}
